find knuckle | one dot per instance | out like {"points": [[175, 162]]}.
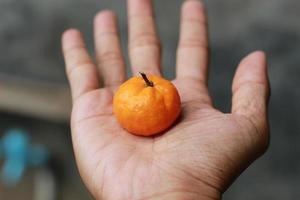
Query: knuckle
{"points": [[110, 57], [78, 65], [196, 21], [198, 37], [73, 51], [144, 40], [193, 42]]}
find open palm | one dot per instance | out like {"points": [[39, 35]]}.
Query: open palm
{"points": [[202, 153]]}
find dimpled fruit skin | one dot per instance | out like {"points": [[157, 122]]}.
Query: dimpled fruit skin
{"points": [[145, 110]]}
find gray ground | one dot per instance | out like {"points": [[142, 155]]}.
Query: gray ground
{"points": [[30, 35]]}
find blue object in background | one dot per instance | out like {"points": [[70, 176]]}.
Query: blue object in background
{"points": [[18, 154]]}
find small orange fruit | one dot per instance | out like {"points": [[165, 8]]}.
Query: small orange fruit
{"points": [[146, 106]]}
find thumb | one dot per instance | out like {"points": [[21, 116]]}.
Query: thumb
{"points": [[251, 91]]}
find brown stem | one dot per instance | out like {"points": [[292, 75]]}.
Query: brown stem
{"points": [[147, 81]]}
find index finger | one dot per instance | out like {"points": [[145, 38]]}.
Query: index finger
{"points": [[192, 53]]}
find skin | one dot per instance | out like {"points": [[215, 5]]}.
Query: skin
{"points": [[202, 154]]}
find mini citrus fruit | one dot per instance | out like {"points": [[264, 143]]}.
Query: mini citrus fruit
{"points": [[146, 105]]}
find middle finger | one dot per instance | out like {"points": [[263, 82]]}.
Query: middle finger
{"points": [[144, 45]]}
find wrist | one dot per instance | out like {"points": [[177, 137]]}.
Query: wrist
{"points": [[182, 196], [183, 190]]}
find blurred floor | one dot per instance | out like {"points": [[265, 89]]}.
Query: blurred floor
{"points": [[56, 138], [30, 49]]}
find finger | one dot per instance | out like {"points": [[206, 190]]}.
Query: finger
{"points": [[144, 46], [108, 49], [81, 71], [192, 52], [251, 89]]}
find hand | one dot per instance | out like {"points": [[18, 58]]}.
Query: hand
{"points": [[200, 156]]}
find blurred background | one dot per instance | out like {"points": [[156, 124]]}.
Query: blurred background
{"points": [[35, 102]]}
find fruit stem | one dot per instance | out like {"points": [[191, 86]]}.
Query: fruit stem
{"points": [[147, 81]]}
